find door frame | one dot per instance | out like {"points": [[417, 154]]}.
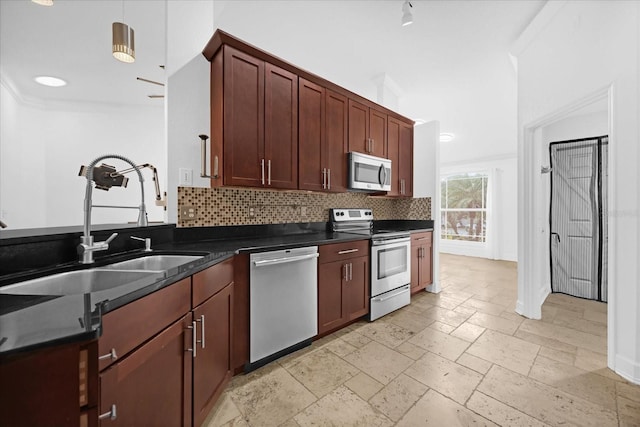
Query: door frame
{"points": [[533, 289]]}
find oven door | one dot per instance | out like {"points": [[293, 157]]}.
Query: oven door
{"points": [[390, 264]]}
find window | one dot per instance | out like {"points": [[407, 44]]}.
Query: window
{"points": [[464, 207]]}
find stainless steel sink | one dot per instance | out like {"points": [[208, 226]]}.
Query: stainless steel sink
{"points": [[79, 282], [153, 262]]}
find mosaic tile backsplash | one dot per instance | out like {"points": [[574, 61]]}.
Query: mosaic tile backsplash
{"points": [[243, 206]]}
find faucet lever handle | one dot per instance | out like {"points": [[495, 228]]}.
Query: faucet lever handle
{"points": [[110, 239], [147, 242]]}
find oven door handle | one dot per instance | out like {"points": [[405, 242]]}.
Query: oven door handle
{"points": [[380, 242], [404, 289]]}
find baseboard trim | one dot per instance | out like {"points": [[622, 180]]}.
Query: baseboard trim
{"points": [[628, 369]]}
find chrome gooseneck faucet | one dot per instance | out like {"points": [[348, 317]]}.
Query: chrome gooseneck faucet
{"points": [[87, 247]]}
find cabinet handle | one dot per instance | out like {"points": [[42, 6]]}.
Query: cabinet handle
{"points": [[347, 251], [112, 414], [216, 172], [402, 186], [329, 179], [262, 169], [201, 320], [111, 355], [373, 145], [346, 274], [422, 238], [350, 271], [203, 156], [324, 178], [269, 174], [194, 341]]}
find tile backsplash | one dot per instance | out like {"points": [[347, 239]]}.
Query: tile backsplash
{"points": [[242, 206]]}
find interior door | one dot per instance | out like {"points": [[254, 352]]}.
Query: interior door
{"points": [[576, 218]]}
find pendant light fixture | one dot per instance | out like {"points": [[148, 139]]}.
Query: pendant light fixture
{"points": [[123, 41], [407, 17], [43, 2]]}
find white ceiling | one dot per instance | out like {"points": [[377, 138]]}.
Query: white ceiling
{"points": [[72, 40], [452, 64]]}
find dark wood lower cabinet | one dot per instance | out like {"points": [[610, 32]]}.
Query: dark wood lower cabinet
{"points": [[421, 260], [152, 386], [343, 284], [212, 367]]}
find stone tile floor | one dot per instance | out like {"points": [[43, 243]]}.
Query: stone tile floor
{"points": [[459, 358]]}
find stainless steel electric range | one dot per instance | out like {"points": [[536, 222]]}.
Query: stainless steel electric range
{"points": [[390, 259]]}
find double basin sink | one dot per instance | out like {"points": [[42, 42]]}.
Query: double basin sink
{"points": [[151, 267]]}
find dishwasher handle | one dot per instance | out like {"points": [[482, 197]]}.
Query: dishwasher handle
{"points": [[284, 260]]}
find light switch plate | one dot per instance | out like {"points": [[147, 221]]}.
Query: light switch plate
{"points": [[186, 177]]}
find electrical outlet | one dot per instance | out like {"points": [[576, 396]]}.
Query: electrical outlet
{"points": [[188, 213], [186, 177], [252, 212], [303, 210]]}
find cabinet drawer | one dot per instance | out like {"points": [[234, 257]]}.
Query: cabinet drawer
{"points": [[423, 238], [340, 251], [210, 281], [129, 326]]}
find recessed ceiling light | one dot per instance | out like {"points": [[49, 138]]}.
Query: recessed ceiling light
{"points": [[446, 137], [43, 2], [419, 122], [50, 81]]}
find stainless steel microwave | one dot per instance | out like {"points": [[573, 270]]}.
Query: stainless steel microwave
{"points": [[369, 173]]}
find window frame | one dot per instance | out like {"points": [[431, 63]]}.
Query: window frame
{"points": [[484, 212]]}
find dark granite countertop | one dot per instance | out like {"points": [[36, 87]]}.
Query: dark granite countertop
{"points": [[29, 322]]}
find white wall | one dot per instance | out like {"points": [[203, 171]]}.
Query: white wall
{"points": [[426, 183], [56, 140], [502, 214], [189, 28], [575, 51]]}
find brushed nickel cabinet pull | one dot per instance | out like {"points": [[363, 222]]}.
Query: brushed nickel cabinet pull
{"points": [[324, 178], [112, 414], [203, 157], [346, 273], [111, 355], [194, 341], [347, 251], [262, 168], [269, 174], [350, 271], [201, 320], [329, 179]]}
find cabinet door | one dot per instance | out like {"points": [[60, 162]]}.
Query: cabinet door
{"points": [[151, 386], [359, 127], [330, 296], [212, 364], [405, 170], [281, 127], [356, 288], [336, 143], [243, 118], [393, 154], [311, 117], [416, 261], [378, 133], [426, 272]]}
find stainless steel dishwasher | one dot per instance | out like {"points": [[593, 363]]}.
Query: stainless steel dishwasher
{"points": [[283, 303]]}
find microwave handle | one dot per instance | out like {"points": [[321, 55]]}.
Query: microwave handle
{"points": [[382, 171]]}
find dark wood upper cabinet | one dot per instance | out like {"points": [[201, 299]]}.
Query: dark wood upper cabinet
{"points": [[378, 133], [243, 118], [405, 160], [259, 121], [400, 152], [275, 125], [311, 136], [322, 138], [336, 141], [359, 127], [281, 128]]}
